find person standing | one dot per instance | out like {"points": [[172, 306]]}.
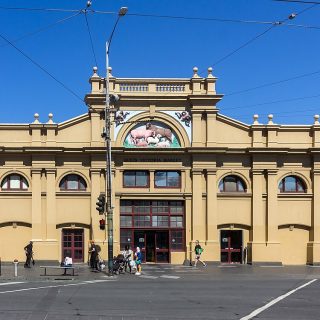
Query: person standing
{"points": [[127, 253], [28, 249], [138, 259], [198, 251], [93, 256]]}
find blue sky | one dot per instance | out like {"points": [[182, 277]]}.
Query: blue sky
{"points": [[158, 47]]}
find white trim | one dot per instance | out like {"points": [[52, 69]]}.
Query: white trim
{"points": [[274, 301]]}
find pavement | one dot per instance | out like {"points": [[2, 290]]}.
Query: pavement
{"points": [[163, 292]]}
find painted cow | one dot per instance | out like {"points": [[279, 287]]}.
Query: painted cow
{"points": [[164, 132]]}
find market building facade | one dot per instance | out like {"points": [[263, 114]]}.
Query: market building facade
{"points": [[181, 172]]}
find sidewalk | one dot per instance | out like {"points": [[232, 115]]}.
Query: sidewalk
{"points": [[82, 272]]}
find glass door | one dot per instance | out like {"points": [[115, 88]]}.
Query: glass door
{"points": [[140, 241], [162, 246], [72, 244]]}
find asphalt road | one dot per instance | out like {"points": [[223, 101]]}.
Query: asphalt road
{"points": [[169, 292]]}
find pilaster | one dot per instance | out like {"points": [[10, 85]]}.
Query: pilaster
{"points": [[51, 204], [313, 248], [258, 216], [211, 128], [36, 134], [196, 203], [96, 233], [196, 129], [95, 129], [36, 205], [212, 251]]}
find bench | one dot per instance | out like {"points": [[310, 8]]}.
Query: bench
{"points": [[59, 268]]}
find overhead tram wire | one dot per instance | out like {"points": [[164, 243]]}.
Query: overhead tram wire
{"points": [[273, 102], [90, 36], [299, 1], [213, 19], [163, 16], [41, 68], [42, 29], [272, 83], [39, 9], [275, 24]]}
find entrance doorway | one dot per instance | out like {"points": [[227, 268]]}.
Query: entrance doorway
{"points": [[231, 246], [154, 245], [72, 244]]}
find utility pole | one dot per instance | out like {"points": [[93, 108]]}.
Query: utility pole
{"points": [[107, 136]]}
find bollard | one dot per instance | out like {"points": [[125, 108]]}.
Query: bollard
{"points": [[15, 261]]}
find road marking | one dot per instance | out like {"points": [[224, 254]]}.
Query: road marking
{"points": [[169, 277], [227, 267], [271, 266], [56, 286], [8, 283], [274, 301], [148, 277]]}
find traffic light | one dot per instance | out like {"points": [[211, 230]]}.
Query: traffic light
{"points": [[101, 203], [102, 224]]}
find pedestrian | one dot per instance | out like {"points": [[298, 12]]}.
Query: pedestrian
{"points": [[67, 262], [28, 249], [198, 251], [127, 254], [138, 260], [93, 256]]}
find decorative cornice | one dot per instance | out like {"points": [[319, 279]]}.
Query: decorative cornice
{"points": [[272, 171], [196, 171], [257, 171], [36, 171], [51, 170], [211, 171]]}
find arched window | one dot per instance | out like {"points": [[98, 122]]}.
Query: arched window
{"points": [[73, 182], [292, 184], [232, 184], [14, 182]]}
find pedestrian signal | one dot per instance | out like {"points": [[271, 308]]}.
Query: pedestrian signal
{"points": [[102, 224]]}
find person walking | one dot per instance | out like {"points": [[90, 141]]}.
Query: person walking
{"points": [[198, 251], [28, 249], [138, 259]]}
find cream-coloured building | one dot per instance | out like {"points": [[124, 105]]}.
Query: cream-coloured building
{"points": [[181, 172]]}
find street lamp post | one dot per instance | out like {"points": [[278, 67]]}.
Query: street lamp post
{"points": [[107, 136]]}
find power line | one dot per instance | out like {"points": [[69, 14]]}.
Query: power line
{"points": [[90, 36], [243, 46], [213, 19], [273, 102], [163, 16], [272, 83], [42, 29], [40, 67], [259, 35], [299, 1], [39, 9]]}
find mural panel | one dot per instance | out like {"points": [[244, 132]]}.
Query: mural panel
{"points": [[153, 134]]}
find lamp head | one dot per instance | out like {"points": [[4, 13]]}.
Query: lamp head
{"points": [[122, 12]]}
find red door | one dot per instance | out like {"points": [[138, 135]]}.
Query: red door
{"points": [[231, 246], [72, 244]]}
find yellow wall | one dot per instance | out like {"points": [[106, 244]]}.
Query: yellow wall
{"points": [[294, 245]]}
